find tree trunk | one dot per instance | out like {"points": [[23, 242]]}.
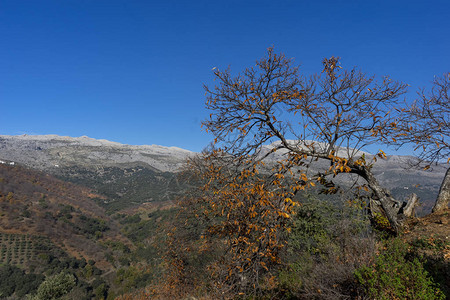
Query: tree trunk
{"points": [[408, 209], [390, 206], [444, 194]]}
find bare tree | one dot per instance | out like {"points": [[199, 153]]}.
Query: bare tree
{"points": [[426, 123], [330, 116]]}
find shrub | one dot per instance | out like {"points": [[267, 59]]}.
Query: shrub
{"points": [[326, 238], [55, 286], [396, 275]]}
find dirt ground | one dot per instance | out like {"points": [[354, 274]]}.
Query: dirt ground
{"points": [[434, 229]]}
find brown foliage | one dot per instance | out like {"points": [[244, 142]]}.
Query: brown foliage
{"points": [[248, 214], [243, 206], [329, 116]]}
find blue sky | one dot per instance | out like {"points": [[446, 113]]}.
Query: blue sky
{"points": [[133, 71]]}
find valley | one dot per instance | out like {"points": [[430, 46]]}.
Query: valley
{"points": [[102, 210]]}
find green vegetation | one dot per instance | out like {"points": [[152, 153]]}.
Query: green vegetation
{"points": [[163, 252], [395, 274], [326, 238], [137, 229], [431, 243], [26, 250], [132, 278], [430, 251], [28, 260], [332, 252], [52, 210], [55, 286], [15, 280], [125, 187]]}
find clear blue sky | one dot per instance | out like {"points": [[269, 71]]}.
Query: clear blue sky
{"points": [[132, 71]]}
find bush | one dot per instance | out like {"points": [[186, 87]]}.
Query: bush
{"points": [[14, 280], [396, 275], [55, 286], [326, 238]]}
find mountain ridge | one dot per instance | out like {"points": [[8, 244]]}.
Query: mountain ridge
{"points": [[133, 175], [53, 151]]}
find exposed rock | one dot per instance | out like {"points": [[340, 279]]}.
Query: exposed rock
{"points": [[46, 152]]}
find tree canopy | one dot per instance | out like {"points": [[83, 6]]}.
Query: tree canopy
{"points": [[276, 133], [426, 124], [330, 116]]}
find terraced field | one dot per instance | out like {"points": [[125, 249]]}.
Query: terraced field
{"points": [[26, 250]]}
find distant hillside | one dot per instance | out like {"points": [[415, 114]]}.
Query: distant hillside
{"points": [[394, 173], [49, 226], [130, 176], [126, 175], [103, 211], [125, 187], [34, 203]]}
